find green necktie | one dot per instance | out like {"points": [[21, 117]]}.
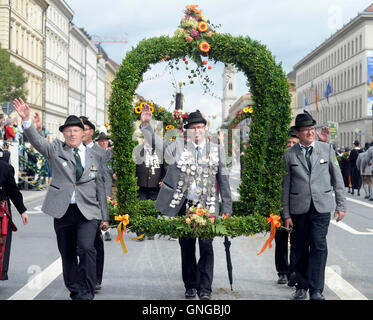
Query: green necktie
{"points": [[198, 155], [79, 167], [308, 155]]}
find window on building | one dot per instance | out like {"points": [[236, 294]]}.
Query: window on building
{"points": [[230, 86], [360, 108], [360, 42]]}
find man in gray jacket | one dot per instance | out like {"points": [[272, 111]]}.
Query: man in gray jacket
{"points": [[76, 199], [312, 174], [196, 175]]}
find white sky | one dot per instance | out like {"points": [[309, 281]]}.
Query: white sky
{"points": [[289, 28]]}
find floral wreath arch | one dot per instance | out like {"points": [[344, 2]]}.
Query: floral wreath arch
{"points": [[260, 188]]}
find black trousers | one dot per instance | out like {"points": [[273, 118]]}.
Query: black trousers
{"points": [[147, 194], [99, 246], [75, 239], [198, 275], [283, 266], [310, 230]]}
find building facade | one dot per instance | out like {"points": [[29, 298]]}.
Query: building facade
{"points": [[244, 101], [77, 71], [229, 90], [58, 20], [111, 70], [100, 92], [22, 33], [336, 76]]}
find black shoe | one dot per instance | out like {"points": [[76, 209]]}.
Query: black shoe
{"points": [[358, 193], [317, 295], [292, 280], [107, 236], [98, 287], [371, 199], [204, 295], [300, 294], [352, 192], [282, 279], [190, 293], [366, 197]]}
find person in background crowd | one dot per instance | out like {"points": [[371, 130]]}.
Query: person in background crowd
{"points": [[104, 157], [8, 191], [286, 270], [103, 141], [4, 153], [355, 172], [365, 171], [9, 132], [345, 166], [369, 160], [149, 165]]}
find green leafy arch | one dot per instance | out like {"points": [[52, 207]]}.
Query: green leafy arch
{"points": [[263, 170]]}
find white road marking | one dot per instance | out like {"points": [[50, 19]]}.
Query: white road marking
{"points": [[36, 210], [341, 287], [39, 282], [349, 229], [369, 205]]}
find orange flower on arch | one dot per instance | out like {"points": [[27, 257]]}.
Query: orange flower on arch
{"points": [[204, 46], [202, 26]]}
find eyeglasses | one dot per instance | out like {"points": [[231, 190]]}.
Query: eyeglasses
{"points": [[307, 130]]}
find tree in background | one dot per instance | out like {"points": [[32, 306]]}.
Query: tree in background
{"points": [[12, 79]]}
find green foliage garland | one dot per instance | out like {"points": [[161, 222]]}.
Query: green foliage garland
{"points": [[263, 170]]}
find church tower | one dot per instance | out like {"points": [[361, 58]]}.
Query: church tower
{"points": [[229, 90]]}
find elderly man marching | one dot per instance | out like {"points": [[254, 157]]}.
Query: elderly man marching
{"points": [[76, 199], [195, 168], [312, 174]]}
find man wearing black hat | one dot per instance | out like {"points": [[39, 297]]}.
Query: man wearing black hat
{"points": [[76, 199], [196, 175], [312, 173], [104, 158]]}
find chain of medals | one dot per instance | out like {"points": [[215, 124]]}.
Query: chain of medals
{"points": [[204, 175], [152, 161]]}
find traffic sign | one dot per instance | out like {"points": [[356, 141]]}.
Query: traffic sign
{"points": [[8, 107]]}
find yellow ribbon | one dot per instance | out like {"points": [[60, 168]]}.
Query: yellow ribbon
{"points": [[275, 223], [122, 226]]}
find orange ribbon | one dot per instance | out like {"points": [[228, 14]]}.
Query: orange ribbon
{"points": [[275, 223], [122, 226]]}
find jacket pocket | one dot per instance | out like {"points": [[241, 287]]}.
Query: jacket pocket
{"points": [[51, 185], [293, 165], [294, 193], [328, 191]]}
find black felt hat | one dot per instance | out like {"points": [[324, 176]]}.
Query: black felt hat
{"points": [[87, 122], [195, 117], [303, 120], [102, 136], [292, 133], [72, 121]]}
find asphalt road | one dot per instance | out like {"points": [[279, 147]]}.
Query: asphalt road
{"points": [[151, 269]]}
